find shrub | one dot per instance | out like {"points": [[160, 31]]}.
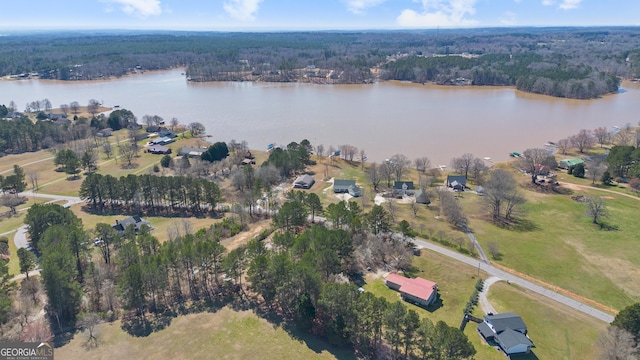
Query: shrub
{"points": [[578, 171]]}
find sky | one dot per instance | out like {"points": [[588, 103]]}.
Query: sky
{"points": [[282, 15]]}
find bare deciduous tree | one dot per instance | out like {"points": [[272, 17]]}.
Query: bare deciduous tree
{"points": [[374, 176], [64, 108], [422, 164], [617, 344], [494, 249], [75, 107], [107, 149], [320, 150], [596, 209], [532, 161], [602, 135], [563, 145], [399, 164], [583, 140], [88, 322], [623, 137], [502, 194], [451, 210], [93, 107], [462, 165], [127, 152], [596, 169], [363, 158]]}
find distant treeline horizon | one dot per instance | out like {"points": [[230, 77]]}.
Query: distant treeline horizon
{"points": [[580, 63]]}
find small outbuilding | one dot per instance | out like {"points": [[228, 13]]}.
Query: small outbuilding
{"points": [[304, 182]]}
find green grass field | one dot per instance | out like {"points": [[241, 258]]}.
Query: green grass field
{"points": [[564, 248], [226, 334]]}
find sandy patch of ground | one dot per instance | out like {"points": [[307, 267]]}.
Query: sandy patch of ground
{"points": [[571, 186], [246, 236], [607, 197], [620, 271], [379, 200]]}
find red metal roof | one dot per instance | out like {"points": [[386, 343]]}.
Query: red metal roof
{"points": [[418, 287]]}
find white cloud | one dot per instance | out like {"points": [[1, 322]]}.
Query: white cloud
{"points": [[447, 13], [509, 19], [570, 4], [141, 8], [244, 10], [359, 6], [564, 4]]}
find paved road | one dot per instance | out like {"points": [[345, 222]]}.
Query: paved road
{"points": [[70, 200], [601, 315]]}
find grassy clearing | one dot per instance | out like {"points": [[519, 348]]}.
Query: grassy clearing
{"points": [[557, 331], [564, 248], [226, 334], [8, 224], [161, 225]]}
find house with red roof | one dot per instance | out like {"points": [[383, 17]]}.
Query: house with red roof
{"points": [[416, 290]]}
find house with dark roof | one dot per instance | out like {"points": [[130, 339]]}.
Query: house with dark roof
{"points": [[346, 186], [403, 187], [419, 291], [158, 149], [508, 331], [456, 182], [191, 151], [304, 182], [136, 221], [167, 133]]}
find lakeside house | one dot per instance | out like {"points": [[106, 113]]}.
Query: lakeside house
{"points": [[419, 291], [191, 151], [569, 163], [136, 221], [346, 186], [456, 182], [403, 187], [162, 141], [508, 331], [304, 182], [158, 149]]}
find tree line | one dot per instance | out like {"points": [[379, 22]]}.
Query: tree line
{"points": [[156, 194], [567, 62]]}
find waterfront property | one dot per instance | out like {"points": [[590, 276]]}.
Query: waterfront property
{"points": [[456, 182], [158, 149], [508, 331], [191, 151], [346, 186], [569, 163], [403, 187], [419, 291]]}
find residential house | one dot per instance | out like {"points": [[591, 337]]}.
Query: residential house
{"points": [[134, 126], [569, 163], [346, 186], [403, 187], [135, 220], [419, 291], [167, 134], [304, 182], [456, 182], [162, 141], [191, 152], [158, 149], [155, 128], [508, 331], [56, 117]]}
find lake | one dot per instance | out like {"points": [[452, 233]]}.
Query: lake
{"points": [[384, 119]]}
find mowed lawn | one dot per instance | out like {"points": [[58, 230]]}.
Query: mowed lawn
{"points": [[561, 246], [557, 331], [226, 334]]}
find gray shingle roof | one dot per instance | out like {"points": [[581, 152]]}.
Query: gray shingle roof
{"points": [[501, 322]]}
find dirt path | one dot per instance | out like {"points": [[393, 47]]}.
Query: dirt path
{"points": [[581, 187], [246, 236]]}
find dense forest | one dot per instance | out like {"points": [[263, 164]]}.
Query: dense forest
{"points": [[564, 62]]}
